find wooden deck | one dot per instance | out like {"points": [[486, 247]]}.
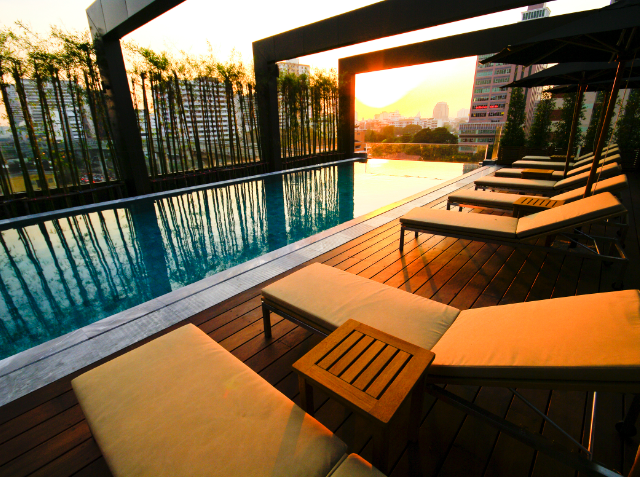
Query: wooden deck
{"points": [[45, 434]]}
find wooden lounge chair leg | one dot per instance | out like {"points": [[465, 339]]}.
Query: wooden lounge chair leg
{"points": [[448, 205], [401, 239], [627, 428], [416, 235], [266, 319]]}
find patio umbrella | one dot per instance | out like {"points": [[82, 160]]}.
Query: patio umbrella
{"points": [[607, 34], [581, 74], [630, 83]]}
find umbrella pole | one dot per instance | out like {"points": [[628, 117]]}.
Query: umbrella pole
{"points": [[574, 125], [605, 127]]}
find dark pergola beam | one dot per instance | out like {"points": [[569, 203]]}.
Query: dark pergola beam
{"points": [[382, 19], [449, 48]]}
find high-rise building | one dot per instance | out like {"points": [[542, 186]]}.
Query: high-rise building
{"points": [[490, 100], [441, 111], [463, 113], [294, 66]]}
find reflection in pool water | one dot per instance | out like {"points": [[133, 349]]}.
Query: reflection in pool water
{"points": [[59, 275]]}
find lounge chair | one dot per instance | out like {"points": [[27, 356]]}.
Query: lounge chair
{"points": [[583, 166], [587, 342], [183, 405], [500, 200], [564, 221], [610, 147], [559, 165], [544, 187]]}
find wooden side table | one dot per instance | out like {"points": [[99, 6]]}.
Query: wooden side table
{"points": [[529, 205], [542, 174], [371, 373]]}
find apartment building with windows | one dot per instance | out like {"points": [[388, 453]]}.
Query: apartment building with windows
{"points": [[490, 99]]}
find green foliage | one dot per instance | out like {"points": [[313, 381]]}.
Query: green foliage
{"points": [[435, 136], [627, 133], [410, 129], [594, 124], [562, 130], [540, 133], [308, 107], [513, 132]]}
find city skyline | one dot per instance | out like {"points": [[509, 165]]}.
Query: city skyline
{"points": [[187, 27]]}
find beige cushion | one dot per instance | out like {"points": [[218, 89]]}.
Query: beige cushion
{"points": [[497, 200], [445, 222], [557, 166], [579, 338], [356, 466], [587, 167], [580, 180], [536, 158], [327, 297], [613, 185], [183, 405], [569, 215], [511, 183]]}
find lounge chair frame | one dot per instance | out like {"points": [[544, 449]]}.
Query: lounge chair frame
{"points": [[536, 441], [574, 235], [561, 453], [461, 205]]}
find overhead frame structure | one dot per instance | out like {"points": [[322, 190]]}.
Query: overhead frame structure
{"points": [[442, 49], [110, 20]]}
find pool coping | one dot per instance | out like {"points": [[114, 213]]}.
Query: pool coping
{"points": [[41, 365]]}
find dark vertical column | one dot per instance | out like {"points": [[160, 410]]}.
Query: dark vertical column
{"points": [[151, 243], [122, 116], [276, 217], [346, 191], [266, 74], [346, 107]]}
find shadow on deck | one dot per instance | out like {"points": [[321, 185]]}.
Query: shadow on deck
{"points": [[44, 433]]}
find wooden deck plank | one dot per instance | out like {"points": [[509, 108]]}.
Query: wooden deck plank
{"points": [[39, 434], [511, 457]]}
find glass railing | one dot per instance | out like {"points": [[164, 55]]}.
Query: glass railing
{"points": [[468, 153]]}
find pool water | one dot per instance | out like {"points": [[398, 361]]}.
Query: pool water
{"points": [[60, 275]]}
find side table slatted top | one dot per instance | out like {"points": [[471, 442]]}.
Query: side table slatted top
{"points": [[529, 205], [371, 370]]}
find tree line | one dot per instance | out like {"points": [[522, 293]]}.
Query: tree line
{"points": [[308, 110], [625, 130]]}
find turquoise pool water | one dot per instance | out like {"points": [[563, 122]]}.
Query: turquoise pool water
{"points": [[60, 275]]}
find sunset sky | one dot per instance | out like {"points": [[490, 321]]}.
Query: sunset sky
{"points": [[230, 25]]}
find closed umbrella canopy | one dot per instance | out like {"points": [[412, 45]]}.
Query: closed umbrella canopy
{"points": [[604, 35], [630, 83], [576, 73]]}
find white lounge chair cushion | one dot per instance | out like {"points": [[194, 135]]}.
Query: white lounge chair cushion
{"points": [[356, 466], [579, 180], [569, 215], [580, 338], [477, 225], [612, 184], [516, 173], [556, 166], [536, 158], [183, 405], [327, 297], [512, 183], [497, 200]]}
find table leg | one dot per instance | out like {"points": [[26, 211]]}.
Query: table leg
{"points": [[381, 449], [415, 413], [306, 396]]}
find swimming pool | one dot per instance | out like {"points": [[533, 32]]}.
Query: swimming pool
{"points": [[62, 274]]}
